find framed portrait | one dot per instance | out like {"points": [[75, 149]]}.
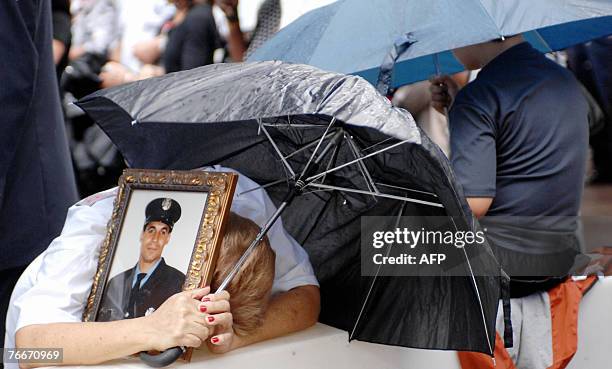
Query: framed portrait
{"points": [[163, 238]]}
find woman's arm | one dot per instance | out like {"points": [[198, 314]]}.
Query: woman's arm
{"points": [[88, 343], [236, 44], [288, 312], [177, 322]]}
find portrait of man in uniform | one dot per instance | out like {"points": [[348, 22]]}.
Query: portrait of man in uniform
{"points": [[151, 281]]}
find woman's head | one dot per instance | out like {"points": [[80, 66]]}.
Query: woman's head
{"points": [[250, 288]]}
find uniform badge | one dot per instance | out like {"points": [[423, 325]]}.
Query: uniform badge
{"points": [[166, 204]]}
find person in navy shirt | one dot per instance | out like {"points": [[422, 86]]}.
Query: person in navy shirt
{"points": [[519, 139]]}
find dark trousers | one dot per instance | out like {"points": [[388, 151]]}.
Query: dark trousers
{"points": [[8, 278]]}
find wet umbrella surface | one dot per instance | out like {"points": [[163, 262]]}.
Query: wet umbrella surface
{"points": [[403, 36]]}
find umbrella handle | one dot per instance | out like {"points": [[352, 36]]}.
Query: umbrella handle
{"points": [[162, 359], [436, 60]]}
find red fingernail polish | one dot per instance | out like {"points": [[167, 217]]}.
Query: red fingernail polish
{"points": [[205, 299], [203, 308], [214, 340], [211, 319]]}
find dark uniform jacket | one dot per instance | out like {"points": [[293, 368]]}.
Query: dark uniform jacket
{"points": [[163, 283], [36, 179]]}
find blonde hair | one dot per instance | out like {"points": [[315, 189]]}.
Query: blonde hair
{"points": [[251, 287]]}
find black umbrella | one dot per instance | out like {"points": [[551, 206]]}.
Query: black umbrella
{"points": [[329, 149]]}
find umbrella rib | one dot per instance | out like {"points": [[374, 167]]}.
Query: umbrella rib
{"points": [[332, 160], [315, 191], [265, 131], [331, 123], [488, 14], [308, 146], [542, 39], [264, 186], [292, 125], [362, 168], [378, 143], [406, 189], [345, 189], [484, 319], [355, 161], [365, 302]]}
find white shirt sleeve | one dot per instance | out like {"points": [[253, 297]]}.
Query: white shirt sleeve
{"points": [[62, 283]]}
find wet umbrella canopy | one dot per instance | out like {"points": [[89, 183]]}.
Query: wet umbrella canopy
{"points": [[266, 119], [333, 37]]}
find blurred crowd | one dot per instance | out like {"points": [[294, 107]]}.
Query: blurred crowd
{"points": [[104, 43]]}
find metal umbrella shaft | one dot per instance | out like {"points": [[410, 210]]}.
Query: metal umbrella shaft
{"points": [[298, 186], [262, 233]]}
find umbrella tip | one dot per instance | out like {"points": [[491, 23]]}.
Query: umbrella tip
{"points": [[134, 122]]}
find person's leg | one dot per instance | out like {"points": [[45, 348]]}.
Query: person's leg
{"points": [[8, 278]]}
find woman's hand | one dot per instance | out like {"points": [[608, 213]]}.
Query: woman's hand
{"points": [[220, 320], [179, 321]]}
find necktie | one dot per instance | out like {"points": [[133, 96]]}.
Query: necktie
{"points": [[131, 312]]}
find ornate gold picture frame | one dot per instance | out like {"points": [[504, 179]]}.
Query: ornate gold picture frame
{"points": [[188, 211]]}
